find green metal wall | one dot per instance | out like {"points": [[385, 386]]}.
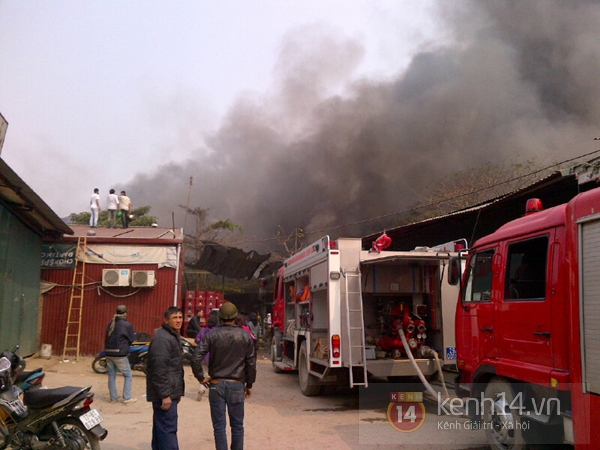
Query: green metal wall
{"points": [[20, 253]]}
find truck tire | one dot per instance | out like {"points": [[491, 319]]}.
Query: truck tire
{"points": [[276, 350], [309, 384], [505, 431]]}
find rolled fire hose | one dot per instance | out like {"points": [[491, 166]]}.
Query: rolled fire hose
{"points": [[430, 389]]}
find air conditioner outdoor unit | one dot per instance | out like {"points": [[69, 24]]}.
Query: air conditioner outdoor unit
{"points": [[143, 278], [115, 277]]}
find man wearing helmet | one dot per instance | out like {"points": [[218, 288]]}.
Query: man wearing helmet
{"points": [[232, 371], [119, 336]]}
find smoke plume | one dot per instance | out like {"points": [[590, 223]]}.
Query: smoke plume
{"points": [[323, 149]]}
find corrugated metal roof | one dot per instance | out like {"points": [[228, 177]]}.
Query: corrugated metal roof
{"points": [[133, 234], [25, 204], [228, 261]]}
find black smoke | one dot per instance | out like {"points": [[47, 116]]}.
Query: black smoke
{"points": [[323, 149]]}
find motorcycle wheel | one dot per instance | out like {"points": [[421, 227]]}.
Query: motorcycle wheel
{"points": [[74, 430], [99, 365]]}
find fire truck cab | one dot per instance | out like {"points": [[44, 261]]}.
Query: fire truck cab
{"points": [[527, 328]]}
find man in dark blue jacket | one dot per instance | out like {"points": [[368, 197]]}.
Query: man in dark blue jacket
{"points": [[119, 336], [164, 380]]}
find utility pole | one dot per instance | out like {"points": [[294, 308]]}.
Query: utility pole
{"points": [[187, 206]]}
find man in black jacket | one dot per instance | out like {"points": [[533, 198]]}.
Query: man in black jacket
{"points": [[232, 369], [164, 380], [119, 336]]}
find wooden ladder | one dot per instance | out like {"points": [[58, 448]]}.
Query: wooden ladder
{"points": [[74, 318]]}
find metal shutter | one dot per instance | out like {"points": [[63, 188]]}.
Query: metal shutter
{"points": [[590, 302]]}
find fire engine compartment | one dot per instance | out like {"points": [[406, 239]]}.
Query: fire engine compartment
{"points": [[402, 294], [398, 293]]}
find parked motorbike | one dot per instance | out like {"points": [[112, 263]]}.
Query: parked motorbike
{"points": [[138, 354], [45, 418], [30, 379], [27, 379]]}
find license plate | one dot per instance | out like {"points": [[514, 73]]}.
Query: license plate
{"points": [[90, 419]]}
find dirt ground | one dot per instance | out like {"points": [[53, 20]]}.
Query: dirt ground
{"points": [[277, 414]]}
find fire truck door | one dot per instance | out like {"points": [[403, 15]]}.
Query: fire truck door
{"points": [[475, 316], [525, 313]]}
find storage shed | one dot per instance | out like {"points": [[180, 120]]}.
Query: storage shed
{"points": [[140, 267], [25, 220]]}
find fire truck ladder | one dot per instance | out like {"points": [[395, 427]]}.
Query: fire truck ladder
{"points": [[355, 327], [74, 318]]}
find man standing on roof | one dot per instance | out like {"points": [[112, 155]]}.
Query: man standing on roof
{"points": [[232, 369], [95, 208], [113, 205], [125, 208]]}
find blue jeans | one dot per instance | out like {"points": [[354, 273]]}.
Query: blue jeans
{"points": [[121, 364], [164, 426], [227, 395]]}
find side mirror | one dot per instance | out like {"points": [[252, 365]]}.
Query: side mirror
{"points": [[454, 271]]}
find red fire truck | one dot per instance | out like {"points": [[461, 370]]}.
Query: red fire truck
{"points": [[528, 327], [343, 314]]}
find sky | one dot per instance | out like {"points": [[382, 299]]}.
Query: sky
{"points": [[307, 114]]}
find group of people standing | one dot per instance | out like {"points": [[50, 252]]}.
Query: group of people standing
{"points": [[230, 376], [118, 206]]}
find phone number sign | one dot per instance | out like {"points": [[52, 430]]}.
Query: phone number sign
{"points": [[59, 256]]}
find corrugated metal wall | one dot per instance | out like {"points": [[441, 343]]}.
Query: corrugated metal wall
{"points": [[20, 250], [146, 306]]}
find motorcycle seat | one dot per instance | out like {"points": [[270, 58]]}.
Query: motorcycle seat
{"points": [[42, 398], [26, 374]]}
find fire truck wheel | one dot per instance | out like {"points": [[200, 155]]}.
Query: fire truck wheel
{"points": [[502, 423], [309, 384]]}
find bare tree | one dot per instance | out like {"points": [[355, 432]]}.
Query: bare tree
{"points": [[290, 243], [222, 232]]}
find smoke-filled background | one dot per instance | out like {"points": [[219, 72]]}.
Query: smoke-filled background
{"points": [[320, 150], [326, 149]]}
